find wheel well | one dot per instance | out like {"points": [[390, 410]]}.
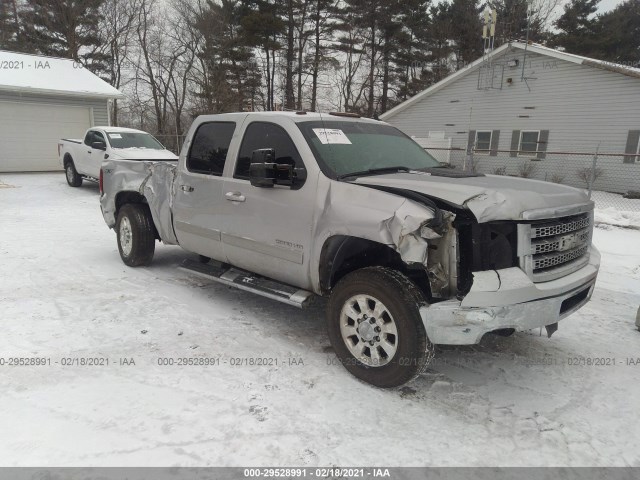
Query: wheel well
{"points": [[67, 159], [342, 254], [128, 197], [125, 198]]}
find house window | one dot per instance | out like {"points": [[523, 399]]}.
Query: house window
{"points": [[483, 141], [529, 143]]}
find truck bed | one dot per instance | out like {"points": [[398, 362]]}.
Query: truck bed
{"points": [[153, 180]]}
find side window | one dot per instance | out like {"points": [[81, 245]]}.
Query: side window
{"points": [[88, 139], [98, 137], [529, 143], [208, 151], [266, 135], [483, 141]]}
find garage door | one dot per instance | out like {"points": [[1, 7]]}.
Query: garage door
{"points": [[29, 134]]}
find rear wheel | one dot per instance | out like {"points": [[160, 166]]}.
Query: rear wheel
{"points": [[73, 177], [375, 327], [136, 235]]}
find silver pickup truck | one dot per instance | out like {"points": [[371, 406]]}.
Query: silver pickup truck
{"points": [[298, 205]]}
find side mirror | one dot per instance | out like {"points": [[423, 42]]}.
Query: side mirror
{"points": [[261, 169], [265, 172], [99, 145]]}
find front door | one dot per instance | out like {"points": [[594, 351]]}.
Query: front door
{"points": [[269, 229], [198, 205]]}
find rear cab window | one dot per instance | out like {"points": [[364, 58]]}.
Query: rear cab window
{"points": [[209, 149]]}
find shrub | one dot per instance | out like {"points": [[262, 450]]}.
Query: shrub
{"points": [[589, 175], [527, 169]]}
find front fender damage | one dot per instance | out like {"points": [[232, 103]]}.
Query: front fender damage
{"points": [[424, 237]]}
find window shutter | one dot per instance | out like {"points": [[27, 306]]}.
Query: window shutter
{"points": [[543, 139], [495, 142], [471, 140], [515, 143], [632, 145]]}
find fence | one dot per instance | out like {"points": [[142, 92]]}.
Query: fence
{"points": [[611, 179]]}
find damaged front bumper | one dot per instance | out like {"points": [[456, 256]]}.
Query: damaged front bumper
{"points": [[508, 299]]}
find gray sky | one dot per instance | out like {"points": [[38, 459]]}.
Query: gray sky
{"points": [[606, 5]]}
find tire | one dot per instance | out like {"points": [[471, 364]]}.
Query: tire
{"points": [[399, 338], [136, 235], [73, 177]]}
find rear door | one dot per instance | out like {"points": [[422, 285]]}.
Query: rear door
{"points": [[198, 205], [269, 229]]}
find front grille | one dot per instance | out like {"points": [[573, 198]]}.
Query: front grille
{"points": [[558, 228], [541, 262], [558, 242], [555, 248]]}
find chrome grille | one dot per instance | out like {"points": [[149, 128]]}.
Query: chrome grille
{"points": [[547, 261], [555, 248], [558, 228], [559, 242]]}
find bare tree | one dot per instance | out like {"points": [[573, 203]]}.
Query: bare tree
{"points": [[116, 35]]}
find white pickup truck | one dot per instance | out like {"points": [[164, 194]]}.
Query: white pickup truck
{"points": [[82, 158]]}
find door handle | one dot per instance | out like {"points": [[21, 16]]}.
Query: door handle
{"points": [[89, 151], [235, 196], [187, 188]]}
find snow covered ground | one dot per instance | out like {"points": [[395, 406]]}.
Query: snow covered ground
{"points": [[65, 294]]}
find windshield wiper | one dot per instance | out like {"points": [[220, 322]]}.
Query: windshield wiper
{"points": [[375, 171]]}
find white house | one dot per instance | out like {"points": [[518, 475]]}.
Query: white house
{"points": [[532, 103], [43, 99]]}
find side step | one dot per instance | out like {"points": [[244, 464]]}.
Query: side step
{"points": [[249, 282]]}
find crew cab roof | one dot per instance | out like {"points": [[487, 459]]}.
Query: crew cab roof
{"points": [[297, 117]]}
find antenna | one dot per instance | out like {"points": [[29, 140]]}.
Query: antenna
{"points": [[489, 19], [526, 42]]}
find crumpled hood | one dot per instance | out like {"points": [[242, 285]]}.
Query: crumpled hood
{"points": [[490, 197], [143, 154]]}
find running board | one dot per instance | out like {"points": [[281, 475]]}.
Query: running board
{"points": [[249, 282]]}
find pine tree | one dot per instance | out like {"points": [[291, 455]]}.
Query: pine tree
{"points": [[65, 28], [263, 28], [620, 34], [467, 31], [579, 29], [230, 74], [9, 25]]}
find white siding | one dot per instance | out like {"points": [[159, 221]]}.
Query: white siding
{"points": [[581, 106], [99, 106], [31, 125]]}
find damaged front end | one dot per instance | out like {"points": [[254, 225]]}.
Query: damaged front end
{"points": [[430, 244]]}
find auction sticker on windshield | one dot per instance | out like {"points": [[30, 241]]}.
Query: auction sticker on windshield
{"points": [[115, 135], [332, 136]]}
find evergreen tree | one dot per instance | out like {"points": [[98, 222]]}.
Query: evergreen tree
{"points": [[579, 29], [466, 31], [263, 28], [620, 34], [230, 75], [413, 59], [9, 25], [65, 28], [512, 22]]}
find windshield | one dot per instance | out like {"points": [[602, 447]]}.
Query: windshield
{"points": [[133, 140], [356, 147]]}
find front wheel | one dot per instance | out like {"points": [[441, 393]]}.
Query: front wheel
{"points": [[375, 327], [136, 235], [73, 177]]}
